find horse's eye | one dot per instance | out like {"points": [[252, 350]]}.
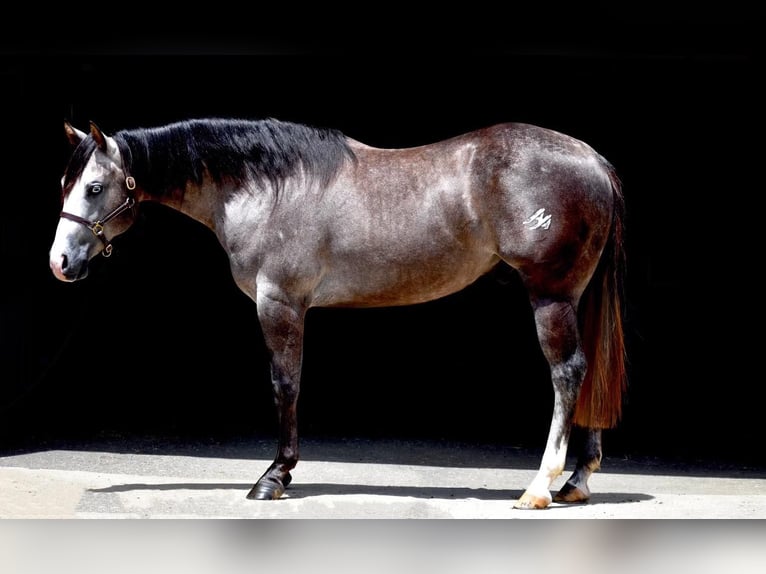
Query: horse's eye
{"points": [[95, 188]]}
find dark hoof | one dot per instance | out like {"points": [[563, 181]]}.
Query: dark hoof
{"points": [[268, 488], [571, 494]]}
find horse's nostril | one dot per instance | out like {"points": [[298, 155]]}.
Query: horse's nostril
{"points": [[64, 262]]}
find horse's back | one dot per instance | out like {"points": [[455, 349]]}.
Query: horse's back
{"points": [[521, 162]]}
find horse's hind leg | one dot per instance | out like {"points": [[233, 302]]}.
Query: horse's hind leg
{"points": [[556, 323], [589, 460]]}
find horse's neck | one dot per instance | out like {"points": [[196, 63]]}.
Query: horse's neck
{"points": [[193, 200], [197, 202]]}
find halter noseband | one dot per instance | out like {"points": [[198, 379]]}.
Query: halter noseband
{"points": [[97, 227]]}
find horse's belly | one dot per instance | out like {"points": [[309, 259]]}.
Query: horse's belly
{"points": [[381, 282]]}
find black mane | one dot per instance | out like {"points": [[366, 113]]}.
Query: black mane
{"points": [[164, 159]]}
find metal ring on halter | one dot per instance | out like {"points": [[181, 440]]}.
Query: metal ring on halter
{"points": [[97, 227]]}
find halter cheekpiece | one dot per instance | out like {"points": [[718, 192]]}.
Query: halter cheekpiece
{"points": [[97, 227]]}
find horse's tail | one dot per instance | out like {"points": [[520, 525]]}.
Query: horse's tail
{"points": [[601, 323]]}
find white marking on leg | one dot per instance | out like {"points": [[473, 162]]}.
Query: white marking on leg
{"points": [[551, 467]]}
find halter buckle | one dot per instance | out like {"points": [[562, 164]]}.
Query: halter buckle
{"points": [[97, 228], [130, 182]]}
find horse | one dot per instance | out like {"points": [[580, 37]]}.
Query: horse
{"points": [[310, 217]]}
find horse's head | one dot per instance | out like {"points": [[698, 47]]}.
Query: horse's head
{"points": [[97, 191]]}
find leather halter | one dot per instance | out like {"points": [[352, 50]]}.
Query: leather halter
{"points": [[97, 227]]}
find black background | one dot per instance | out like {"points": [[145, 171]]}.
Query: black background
{"points": [[159, 340]]}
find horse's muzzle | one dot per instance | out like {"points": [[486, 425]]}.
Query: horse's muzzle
{"points": [[63, 270]]}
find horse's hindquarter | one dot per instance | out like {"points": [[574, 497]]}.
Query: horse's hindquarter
{"points": [[549, 203]]}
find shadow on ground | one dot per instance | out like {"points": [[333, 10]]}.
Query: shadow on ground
{"points": [[311, 490]]}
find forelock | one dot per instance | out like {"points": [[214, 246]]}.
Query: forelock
{"points": [[77, 162]]}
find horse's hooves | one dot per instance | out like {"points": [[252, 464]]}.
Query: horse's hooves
{"points": [[571, 494], [263, 491], [268, 488], [532, 502]]}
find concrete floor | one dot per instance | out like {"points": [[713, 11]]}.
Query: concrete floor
{"points": [[351, 479]]}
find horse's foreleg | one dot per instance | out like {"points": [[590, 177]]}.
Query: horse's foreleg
{"points": [[282, 327], [557, 331]]}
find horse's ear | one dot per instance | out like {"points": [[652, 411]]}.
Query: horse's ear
{"points": [[74, 135], [99, 136], [104, 143]]}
